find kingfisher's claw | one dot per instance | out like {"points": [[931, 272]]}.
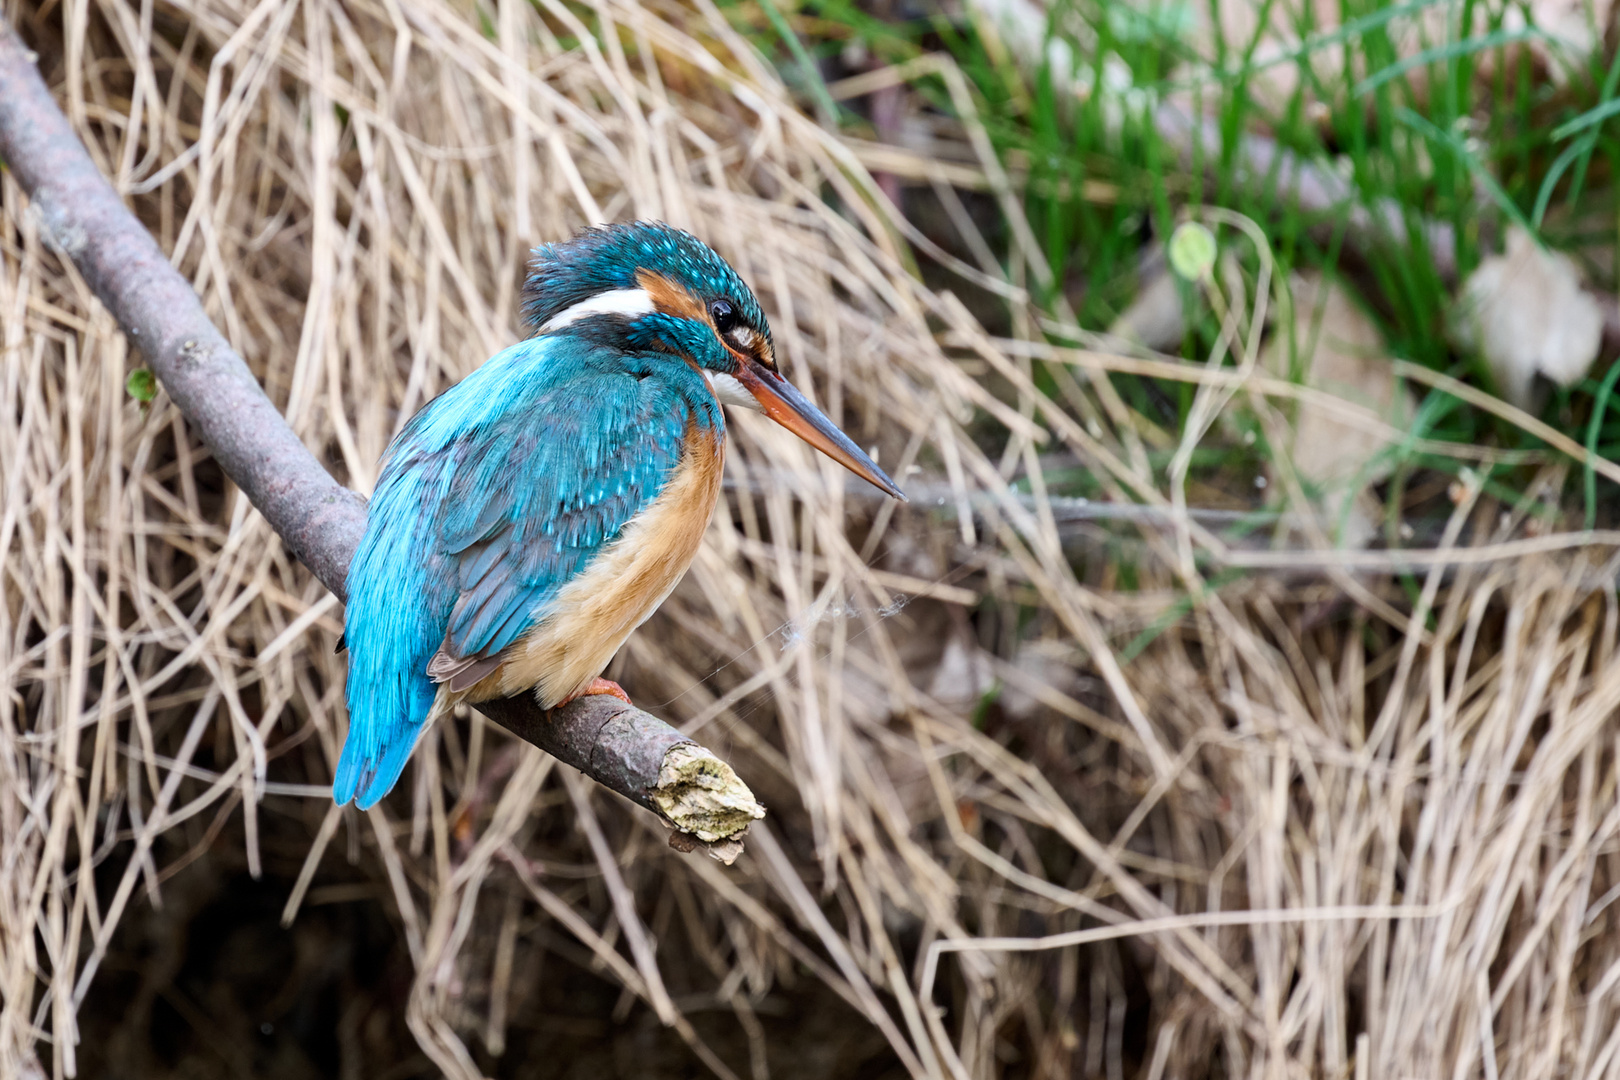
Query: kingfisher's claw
{"points": [[598, 686]]}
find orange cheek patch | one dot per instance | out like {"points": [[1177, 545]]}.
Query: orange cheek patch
{"points": [[670, 298]]}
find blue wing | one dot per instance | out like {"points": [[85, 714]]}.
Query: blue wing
{"points": [[493, 497]]}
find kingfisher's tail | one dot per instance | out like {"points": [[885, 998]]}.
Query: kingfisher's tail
{"points": [[388, 711], [370, 768], [389, 628]]}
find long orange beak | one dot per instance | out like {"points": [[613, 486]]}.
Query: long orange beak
{"points": [[781, 402]]}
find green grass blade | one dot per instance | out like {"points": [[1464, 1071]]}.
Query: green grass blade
{"points": [[1600, 406], [1455, 145], [1556, 173], [1590, 118], [1350, 31], [812, 74], [1466, 47]]}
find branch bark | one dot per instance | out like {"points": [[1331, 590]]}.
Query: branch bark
{"points": [[320, 520]]}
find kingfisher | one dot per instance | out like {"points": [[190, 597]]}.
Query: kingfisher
{"points": [[530, 517]]}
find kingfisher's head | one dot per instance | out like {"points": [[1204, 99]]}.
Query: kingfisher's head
{"points": [[646, 286]]}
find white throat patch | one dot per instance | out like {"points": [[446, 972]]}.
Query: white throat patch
{"points": [[613, 302], [730, 391]]}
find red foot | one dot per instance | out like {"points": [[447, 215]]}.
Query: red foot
{"points": [[598, 686]]}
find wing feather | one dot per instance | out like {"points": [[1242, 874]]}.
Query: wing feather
{"points": [[545, 491]]}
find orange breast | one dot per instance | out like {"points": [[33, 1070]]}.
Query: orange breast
{"points": [[596, 611]]}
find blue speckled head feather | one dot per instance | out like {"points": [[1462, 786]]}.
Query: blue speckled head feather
{"points": [[606, 257]]}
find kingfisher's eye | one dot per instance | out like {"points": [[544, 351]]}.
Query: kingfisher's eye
{"points": [[724, 316]]}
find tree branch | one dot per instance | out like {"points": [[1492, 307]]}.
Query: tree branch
{"points": [[321, 522]]}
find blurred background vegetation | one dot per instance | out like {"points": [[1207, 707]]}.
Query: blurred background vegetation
{"points": [[1389, 146]]}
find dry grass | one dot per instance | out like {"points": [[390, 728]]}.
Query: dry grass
{"points": [[1312, 829]]}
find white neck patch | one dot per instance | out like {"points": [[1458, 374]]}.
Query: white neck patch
{"points": [[613, 302]]}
